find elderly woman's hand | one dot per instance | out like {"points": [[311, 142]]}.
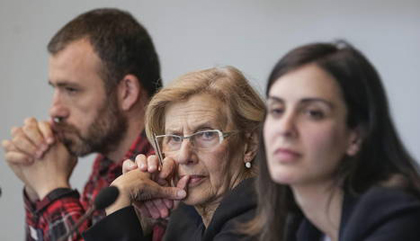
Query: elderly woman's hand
{"points": [[157, 208], [163, 175], [139, 187]]}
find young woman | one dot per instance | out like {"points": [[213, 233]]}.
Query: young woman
{"points": [[332, 164]]}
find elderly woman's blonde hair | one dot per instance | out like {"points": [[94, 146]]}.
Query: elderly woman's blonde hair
{"points": [[227, 84]]}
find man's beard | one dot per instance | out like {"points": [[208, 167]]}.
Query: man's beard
{"points": [[103, 135]]}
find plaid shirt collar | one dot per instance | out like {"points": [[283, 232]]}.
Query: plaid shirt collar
{"points": [[111, 169]]}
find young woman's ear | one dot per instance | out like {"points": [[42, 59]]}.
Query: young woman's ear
{"points": [[251, 146], [129, 90], [355, 141]]}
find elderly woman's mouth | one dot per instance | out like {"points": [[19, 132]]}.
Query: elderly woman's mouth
{"points": [[195, 180]]}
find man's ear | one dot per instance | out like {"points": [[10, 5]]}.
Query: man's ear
{"points": [[355, 141], [128, 91], [251, 146]]}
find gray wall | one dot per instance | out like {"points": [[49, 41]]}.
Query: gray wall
{"points": [[250, 35]]}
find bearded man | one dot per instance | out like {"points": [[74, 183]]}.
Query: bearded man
{"points": [[103, 68]]}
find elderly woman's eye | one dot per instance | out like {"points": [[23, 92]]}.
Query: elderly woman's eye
{"points": [[174, 139], [207, 135]]}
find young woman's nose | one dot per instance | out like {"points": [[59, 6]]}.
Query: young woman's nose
{"points": [[286, 126]]}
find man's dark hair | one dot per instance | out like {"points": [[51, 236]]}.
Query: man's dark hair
{"points": [[123, 45]]}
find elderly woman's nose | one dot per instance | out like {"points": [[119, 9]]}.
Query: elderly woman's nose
{"points": [[185, 153]]}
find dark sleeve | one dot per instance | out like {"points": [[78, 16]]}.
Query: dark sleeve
{"points": [[122, 225], [385, 214]]}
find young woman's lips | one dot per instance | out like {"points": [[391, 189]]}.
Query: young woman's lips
{"points": [[285, 156]]}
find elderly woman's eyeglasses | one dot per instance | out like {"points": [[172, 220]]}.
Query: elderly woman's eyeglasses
{"points": [[202, 139]]}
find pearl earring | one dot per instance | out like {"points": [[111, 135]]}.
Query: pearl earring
{"points": [[248, 165]]}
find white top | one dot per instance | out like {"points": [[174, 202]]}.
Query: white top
{"points": [[325, 238]]}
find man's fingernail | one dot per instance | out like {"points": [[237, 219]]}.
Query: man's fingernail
{"points": [[181, 194], [29, 160]]}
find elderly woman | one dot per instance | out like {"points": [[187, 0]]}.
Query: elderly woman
{"points": [[206, 124], [333, 167]]}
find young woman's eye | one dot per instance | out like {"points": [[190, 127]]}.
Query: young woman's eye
{"points": [[315, 114], [275, 112]]}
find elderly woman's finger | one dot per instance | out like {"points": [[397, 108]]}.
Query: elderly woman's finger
{"points": [[162, 182], [168, 168], [128, 165], [154, 212], [157, 191], [168, 203], [141, 161], [183, 182], [152, 164], [142, 208], [161, 207]]}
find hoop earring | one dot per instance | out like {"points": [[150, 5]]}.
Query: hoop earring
{"points": [[248, 165]]}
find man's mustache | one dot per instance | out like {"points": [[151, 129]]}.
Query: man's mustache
{"points": [[60, 128]]}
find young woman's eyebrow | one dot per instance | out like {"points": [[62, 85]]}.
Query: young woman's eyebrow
{"points": [[324, 101]]}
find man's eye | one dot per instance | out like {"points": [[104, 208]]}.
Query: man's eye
{"points": [[71, 90]]}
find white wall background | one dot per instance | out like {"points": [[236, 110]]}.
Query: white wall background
{"points": [[248, 34]]}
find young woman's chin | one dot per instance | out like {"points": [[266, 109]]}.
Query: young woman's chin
{"points": [[281, 177]]}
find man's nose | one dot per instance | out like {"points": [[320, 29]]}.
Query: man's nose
{"points": [[58, 108]]}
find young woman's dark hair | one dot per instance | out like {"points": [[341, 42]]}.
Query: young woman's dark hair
{"points": [[382, 159]]}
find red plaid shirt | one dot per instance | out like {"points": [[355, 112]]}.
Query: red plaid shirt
{"points": [[52, 217]]}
